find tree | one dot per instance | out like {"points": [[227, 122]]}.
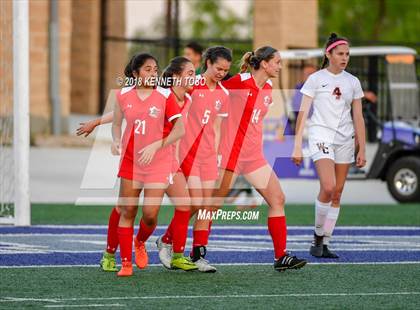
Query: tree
{"points": [[361, 20]]}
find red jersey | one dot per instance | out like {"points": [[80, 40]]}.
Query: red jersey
{"points": [[198, 143], [242, 137], [147, 120]]}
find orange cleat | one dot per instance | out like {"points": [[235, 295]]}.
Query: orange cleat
{"points": [[141, 257], [126, 270]]}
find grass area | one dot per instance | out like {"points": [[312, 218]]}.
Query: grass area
{"points": [[359, 215], [223, 289]]}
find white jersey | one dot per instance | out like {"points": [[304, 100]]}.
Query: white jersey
{"points": [[332, 96]]}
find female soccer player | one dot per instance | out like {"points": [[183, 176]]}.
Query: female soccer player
{"points": [[198, 147], [146, 158], [335, 93], [180, 75], [242, 145]]}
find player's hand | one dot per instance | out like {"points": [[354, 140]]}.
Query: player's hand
{"points": [[116, 148], [360, 159], [148, 152], [297, 155], [86, 128]]}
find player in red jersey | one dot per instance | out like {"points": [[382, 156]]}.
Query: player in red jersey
{"points": [[180, 76], [242, 145], [146, 154], [198, 147]]}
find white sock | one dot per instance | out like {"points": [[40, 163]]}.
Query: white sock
{"points": [[329, 225], [321, 211]]}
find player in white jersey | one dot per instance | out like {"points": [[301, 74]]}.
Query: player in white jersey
{"points": [[333, 134]]}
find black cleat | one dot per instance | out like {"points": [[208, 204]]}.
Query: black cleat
{"points": [[326, 253], [288, 262], [317, 246]]}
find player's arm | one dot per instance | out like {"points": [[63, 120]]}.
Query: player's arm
{"points": [[86, 128], [116, 129], [305, 106], [359, 128], [148, 152]]}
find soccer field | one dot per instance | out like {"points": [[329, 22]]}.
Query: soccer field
{"points": [[54, 264]]}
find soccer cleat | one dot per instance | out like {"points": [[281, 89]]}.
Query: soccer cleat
{"points": [[140, 253], [326, 253], [126, 269], [165, 252], [316, 247], [183, 263], [197, 256], [288, 262], [108, 262]]}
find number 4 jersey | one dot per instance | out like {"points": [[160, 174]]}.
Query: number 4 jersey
{"points": [[332, 96]]}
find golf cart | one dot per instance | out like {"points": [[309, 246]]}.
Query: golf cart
{"points": [[393, 122]]}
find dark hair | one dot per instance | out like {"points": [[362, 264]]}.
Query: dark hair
{"points": [[176, 66], [214, 53], [253, 59], [332, 39], [136, 62], [197, 48]]}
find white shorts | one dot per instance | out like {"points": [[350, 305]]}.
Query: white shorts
{"points": [[339, 153]]}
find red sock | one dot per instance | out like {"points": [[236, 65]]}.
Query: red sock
{"points": [[112, 239], [125, 237], [211, 222], [200, 237], [167, 237], [180, 230], [278, 231], [144, 231]]}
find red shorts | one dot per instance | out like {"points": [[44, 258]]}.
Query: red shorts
{"points": [[156, 172], [243, 166], [205, 169]]}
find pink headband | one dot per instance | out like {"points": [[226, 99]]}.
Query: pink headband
{"points": [[329, 48]]}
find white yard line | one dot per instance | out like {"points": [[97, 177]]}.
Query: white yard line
{"points": [[55, 300], [217, 264]]}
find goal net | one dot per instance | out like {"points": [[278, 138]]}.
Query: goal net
{"points": [[14, 113]]}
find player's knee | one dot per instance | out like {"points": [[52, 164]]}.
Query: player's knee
{"points": [[336, 197], [149, 219], [280, 199], [328, 189], [128, 212]]}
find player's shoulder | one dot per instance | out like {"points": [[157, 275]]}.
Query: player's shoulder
{"points": [[165, 92], [125, 91], [352, 78]]}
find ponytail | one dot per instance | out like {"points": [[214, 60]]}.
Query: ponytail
{"points": [[253, 59]]}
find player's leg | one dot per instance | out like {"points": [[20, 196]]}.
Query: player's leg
{"points": [[153, 196], [108, 262], [326, 174], [175, 237], [202, 229], [267, 184], [341, 171], [128, 205]]}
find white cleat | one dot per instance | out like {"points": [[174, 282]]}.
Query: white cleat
{"points": [[165, 252], [204, 266]]}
